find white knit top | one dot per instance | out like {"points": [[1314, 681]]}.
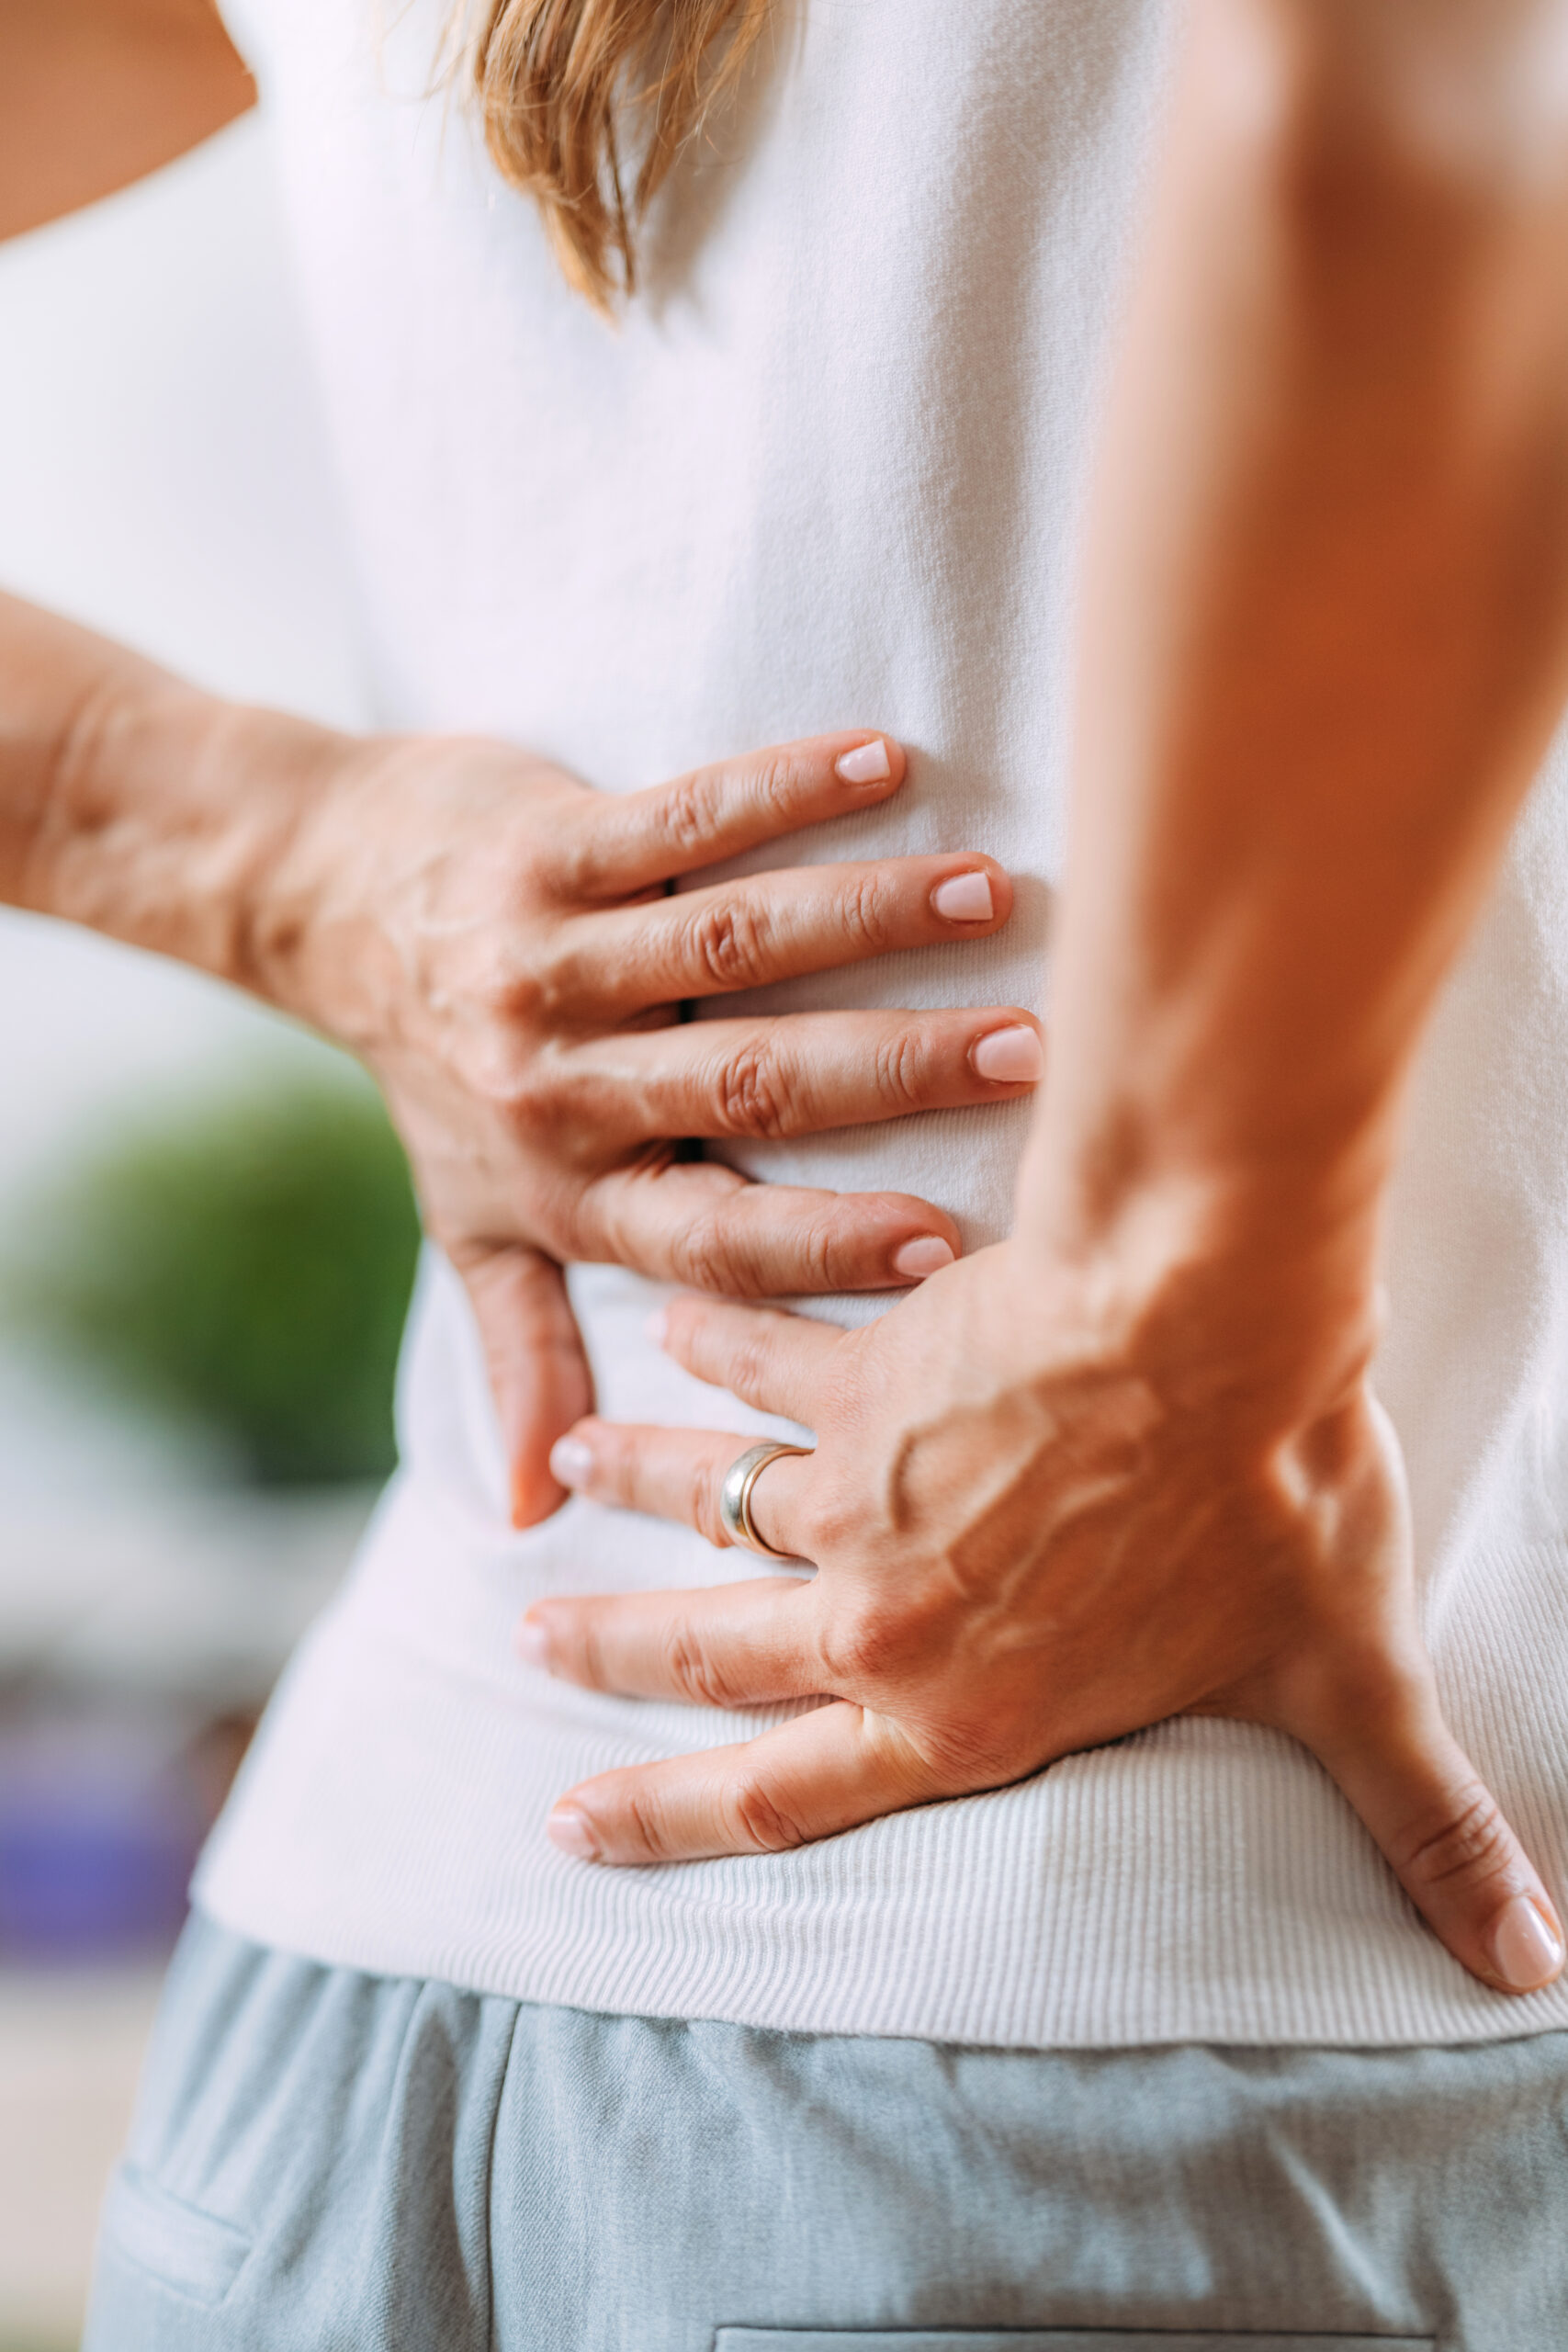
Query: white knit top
{"points": [[828, 473]]}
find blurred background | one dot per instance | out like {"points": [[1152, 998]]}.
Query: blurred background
{"points": [[206, 1232]]}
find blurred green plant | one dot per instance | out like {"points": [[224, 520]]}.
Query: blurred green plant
{"points": [[243, 1262]]}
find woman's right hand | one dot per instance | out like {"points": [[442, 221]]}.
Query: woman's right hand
{"points": [[499, 944]]}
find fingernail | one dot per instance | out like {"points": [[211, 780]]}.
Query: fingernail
{"points": [[570, 1833], [1010, 1056], [927, 1255], [657, 1326], [965, 898], [534, 1644], [1524, 1952], [867, 764], [570, 1461]]}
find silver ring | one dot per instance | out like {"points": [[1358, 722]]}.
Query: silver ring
{"points": [[734, 1495]]}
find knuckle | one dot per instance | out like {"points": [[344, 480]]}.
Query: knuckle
{"points": [[729, 942], [620, 1216], [832, 1251], [556, 979], [646, 1829], [494, 990], [755, 1818], [580, 1111], [505, 1090], [692, 1672], [690, 812], [706, 1257], [903, 1071], [866, 912], [820, 1528], [1472, 1843], [779, 784], [863, 1649], [583, 865], [747, 1369], [530, 1092], [758, 1093]]}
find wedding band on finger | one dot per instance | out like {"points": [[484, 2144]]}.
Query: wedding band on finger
{"points": [[735, 1495]]}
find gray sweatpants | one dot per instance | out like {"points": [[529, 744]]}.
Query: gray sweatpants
{"points": [[330, 2162]]}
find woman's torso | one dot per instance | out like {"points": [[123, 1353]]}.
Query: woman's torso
{"points": [[827, 471]]}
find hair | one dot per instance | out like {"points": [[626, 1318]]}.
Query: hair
{"points": [[575, 95]]}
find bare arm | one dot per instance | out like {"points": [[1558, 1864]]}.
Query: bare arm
{"points": [[1128, 1465], [96, 93], [423, 901], [494, 939], [1327, 637]]}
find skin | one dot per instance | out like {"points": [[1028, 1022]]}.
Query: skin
{"points": [[95, 93], [494, 940], [1129, 1464]]}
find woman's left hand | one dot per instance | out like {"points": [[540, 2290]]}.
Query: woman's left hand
{"points": [[1031, 1536]]}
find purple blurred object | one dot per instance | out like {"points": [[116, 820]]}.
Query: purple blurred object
{"points": [[100, 1823]]}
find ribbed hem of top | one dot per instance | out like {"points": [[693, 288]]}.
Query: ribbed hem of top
{"points": [[1203, 1882]]}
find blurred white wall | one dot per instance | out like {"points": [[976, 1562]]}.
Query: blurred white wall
{"points": [[163, 477], [162, 471]]}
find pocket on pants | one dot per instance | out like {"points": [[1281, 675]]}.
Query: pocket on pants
{"points": [[1046, 2339], [193, 2253]]}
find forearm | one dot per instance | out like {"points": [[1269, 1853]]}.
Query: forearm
{"points": [[95, 93], [138, 806], [1328, 615]]}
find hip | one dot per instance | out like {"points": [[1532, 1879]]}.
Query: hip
{"points": [[324, 2156]]}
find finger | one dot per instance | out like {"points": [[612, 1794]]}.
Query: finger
{"points": [[768, 927], [775, 1361], [705, 1225], [538, 1371], [677, 1474], [825, 1772], [627, 845], [800, 1075], [740, 1646], [1445, 1834]]}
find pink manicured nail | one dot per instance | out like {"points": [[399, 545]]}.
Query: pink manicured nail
{"points": [[928, 1255], [1524, 1952], [657, 1326], [570, 1461], [533, 1643], [867, 764], [1009, 1057], [965, 898], [570, 1833]]}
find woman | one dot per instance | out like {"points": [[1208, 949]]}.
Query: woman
{"points": [[1124, 2047]]}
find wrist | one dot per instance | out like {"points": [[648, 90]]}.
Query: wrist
{"points": [[350, 909], [163, 813], [312, 941], [381, 910], [1246, 1290]]}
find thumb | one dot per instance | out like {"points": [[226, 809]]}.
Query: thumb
{"points": [[538, 1372], [1445, 1834]]}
